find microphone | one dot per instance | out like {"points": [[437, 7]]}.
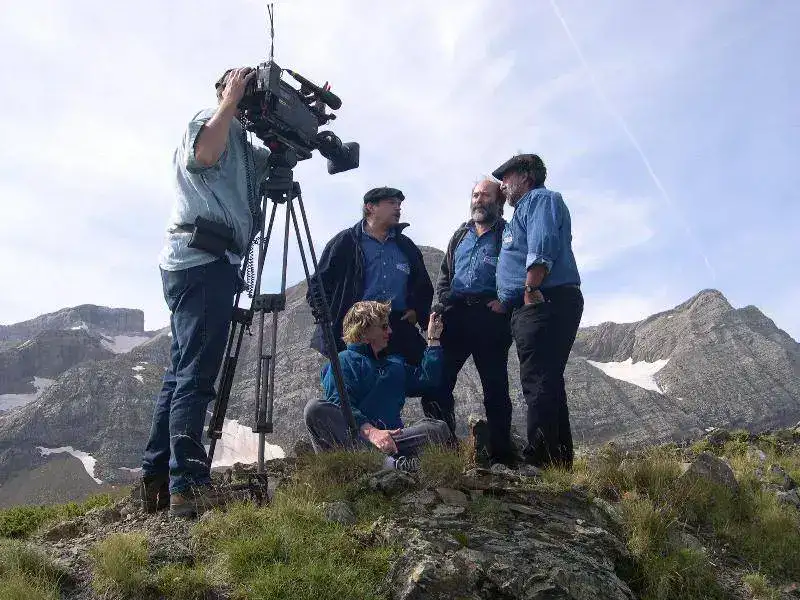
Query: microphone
{"points": [[327, 96]]}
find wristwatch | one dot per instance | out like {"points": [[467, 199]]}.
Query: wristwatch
{"points": [[529, 289]]}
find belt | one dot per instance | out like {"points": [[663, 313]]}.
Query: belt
{"points": [[473, 300]]}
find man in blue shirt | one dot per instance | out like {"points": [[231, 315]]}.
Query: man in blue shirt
{"points": [[475, 322], [200, 281], [538, 280], [375, 260]]}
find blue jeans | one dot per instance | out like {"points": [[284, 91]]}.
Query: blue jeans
{"points": [[201, 302]]}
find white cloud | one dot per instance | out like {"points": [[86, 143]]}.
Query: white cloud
{"points": [[605, 226], [624, 307]]}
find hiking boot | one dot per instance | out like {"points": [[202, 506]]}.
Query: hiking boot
{"points": [[409, 464], [196, 499], [152, 493]]}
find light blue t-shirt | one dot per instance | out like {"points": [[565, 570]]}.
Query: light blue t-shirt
{"points": [[218, 193]]}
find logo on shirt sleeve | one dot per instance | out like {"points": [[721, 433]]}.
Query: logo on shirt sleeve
{"points": [[508, 239], [490, 260], [404, 268]]}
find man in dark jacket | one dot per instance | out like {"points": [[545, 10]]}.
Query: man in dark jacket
{"points": [[475, 323], [374, 260]]}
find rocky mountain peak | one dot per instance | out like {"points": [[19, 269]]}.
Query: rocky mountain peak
{"points": [[99, 319]]}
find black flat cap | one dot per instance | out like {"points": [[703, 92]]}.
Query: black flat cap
{"points": [[378, 194], [522, 162]]}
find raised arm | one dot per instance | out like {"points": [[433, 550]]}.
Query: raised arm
{"points": [[213, 137]]}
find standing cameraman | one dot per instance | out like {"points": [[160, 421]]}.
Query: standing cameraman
{"points": [[217, 172]]}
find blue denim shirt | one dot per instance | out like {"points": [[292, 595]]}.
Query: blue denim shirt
{"points": [[475, 263], [218, 192], [539, 233], [386, 270]]}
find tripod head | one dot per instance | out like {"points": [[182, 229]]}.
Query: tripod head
{"points": [[279, 186]]}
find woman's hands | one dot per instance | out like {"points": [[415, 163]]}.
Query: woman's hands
{"points": [[380, 438]]}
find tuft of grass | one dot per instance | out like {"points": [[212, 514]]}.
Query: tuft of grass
{"points": [[442, 467], [288, 550], [120, 566], [20, 522], [603, 476], [663, 571], [182, 582], [555, 480], [27, 574], [758, 587], [331, 475], [756, 525]]}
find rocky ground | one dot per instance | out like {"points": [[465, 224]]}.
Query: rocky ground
{"points": [[487, 533]]}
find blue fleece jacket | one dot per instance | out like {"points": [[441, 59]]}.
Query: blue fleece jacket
{"points": [[378, 387]]}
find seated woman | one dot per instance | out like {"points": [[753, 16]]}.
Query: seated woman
{"points": [[377, 388]]}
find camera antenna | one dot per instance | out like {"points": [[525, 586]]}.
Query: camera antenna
{"points": [[271, 13]]}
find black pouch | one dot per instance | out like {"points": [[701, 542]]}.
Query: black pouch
{"points": [[212, 237]]}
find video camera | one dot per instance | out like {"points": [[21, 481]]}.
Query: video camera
{"points": [[281, 115]]}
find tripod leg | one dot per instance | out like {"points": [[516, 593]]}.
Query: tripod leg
{"points": [[318, 291]]}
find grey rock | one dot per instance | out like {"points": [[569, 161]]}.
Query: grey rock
{"points": [[390, 481], [451, 496], [790, 497], [609, 510], [780, 477], [443, 511], [710, 468], [103, 515], [756, 454], [64, 531], [422, 498], [516, 559], [339, 512]]}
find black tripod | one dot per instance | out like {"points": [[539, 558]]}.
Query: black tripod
{"points": [[280, 188]]}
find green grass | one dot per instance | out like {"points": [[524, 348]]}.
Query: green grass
{"points": [[27, 574], [442, 467], [120, 566], [759, 588], [22, 521], [333, 475], [182, 582], [288, 550], [663, 571]]}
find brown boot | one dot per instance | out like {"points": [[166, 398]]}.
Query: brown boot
{"points": [[197, 499], [152, 493]]}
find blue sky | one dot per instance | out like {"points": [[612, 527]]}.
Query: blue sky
{"points": [[96, 96]]}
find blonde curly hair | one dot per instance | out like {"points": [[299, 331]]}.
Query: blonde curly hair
{"points": [[361, 316]]}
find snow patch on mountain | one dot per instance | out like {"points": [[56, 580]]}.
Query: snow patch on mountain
{"points": [[638, 373], [120, 344], [9, 401], [87, 460], [239, 444]]}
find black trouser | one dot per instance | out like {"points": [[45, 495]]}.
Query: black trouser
{"points": [[544, 334], [407, 341], [485, 335]]}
